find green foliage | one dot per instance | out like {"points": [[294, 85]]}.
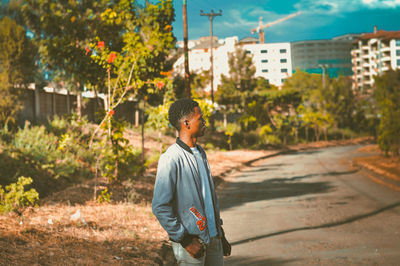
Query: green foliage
{"points": [[207, 108], [247, 122], [119, 160], [14, 197], [62, 30], [158, 117], [268, 137], [199, 82], [56, 156], [230, 131], [387, 95], [17, 54], [339, 101], [52, 160], [234, 89], [104, 196], [145, 43]]}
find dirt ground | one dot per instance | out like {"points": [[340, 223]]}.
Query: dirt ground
{"points": [[69, 228]]}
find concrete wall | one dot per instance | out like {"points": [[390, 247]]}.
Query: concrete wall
{"points": [[39, 105]]}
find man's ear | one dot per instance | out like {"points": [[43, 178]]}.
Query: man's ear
{"points": [[186, 123]]}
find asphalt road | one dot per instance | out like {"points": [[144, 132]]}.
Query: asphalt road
{"points": [[310, 208]]}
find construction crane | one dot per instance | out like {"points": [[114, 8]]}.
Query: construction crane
{"points": [[261, 26]]}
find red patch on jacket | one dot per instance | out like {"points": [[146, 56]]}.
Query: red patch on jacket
{"points": [[201, 219]]}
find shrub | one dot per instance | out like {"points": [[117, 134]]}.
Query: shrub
{"points": [[58, 156], [52, 161], [267, 136], [104, 196], [14, 197]]}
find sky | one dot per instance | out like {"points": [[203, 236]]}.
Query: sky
{"points": [[319, 19]]}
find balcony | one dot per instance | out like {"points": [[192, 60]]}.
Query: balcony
{"points": [[385, 49], [365, 47], [366, 64], [365, 56]]}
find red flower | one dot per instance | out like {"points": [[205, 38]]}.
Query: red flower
{"points": [[87, 50], [111, 58], [160, 85], [111, 112], [100, 45], [168, 28]]}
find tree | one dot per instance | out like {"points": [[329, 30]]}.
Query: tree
{"points": [[199, 82], [17, 67], [387, 95], [139, 68], [62, 30], [241, 82], [340, 101]]}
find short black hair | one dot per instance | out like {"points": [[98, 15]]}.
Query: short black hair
{"points": [[180, 109]]}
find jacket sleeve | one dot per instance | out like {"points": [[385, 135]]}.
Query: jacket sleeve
{"points": [[162, 204]]}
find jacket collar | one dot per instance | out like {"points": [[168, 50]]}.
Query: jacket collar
{"points": [[184, 146]]}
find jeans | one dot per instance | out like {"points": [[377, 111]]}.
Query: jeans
{"points": [[212, 257]]}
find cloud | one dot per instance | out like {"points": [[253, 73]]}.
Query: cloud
{"points": [[343, 6], [381, 4]]}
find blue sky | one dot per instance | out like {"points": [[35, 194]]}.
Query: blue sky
{"points": [[320, 19]]}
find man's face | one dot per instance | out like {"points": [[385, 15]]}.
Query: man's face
{"points": [[197, 123]]}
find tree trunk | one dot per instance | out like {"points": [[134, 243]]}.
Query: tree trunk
{"points": [[79, 105], [306, 129], [144, 103], [316, 133], [225, 120]]}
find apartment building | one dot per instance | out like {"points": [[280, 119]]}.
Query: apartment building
{"points": [[372, 54], [272, 60]]}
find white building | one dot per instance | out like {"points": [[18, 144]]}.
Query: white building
{"points": [[373, 54], [199, 57], [272, 60]]}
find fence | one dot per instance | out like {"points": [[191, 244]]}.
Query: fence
{"points": [[39, 105]]}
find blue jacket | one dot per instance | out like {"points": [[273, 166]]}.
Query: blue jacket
{"points": [[177, 202]]}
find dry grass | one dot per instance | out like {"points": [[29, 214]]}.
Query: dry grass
{"points": [[104, 234]]}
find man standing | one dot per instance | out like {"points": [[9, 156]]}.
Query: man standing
{"points": [[184, 198]]}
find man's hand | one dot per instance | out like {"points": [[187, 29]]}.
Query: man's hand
{"points": [[194, 247]]}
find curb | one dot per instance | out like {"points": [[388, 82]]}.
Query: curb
{"points": [[381, 176]]}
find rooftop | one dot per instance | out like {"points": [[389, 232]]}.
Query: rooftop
{"points": [[381, 34]]}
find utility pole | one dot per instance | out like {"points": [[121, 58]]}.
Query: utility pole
{"points": [[185, 51], [211, 17], [323, 67]]}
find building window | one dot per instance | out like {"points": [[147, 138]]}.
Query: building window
{"points": [[398, 62], [283, 80], [264, 61], [282, 51], [264, 51], [264, 71], [283, 70], [283, 60], [398, 52], [248, 52], [398, 42]]}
